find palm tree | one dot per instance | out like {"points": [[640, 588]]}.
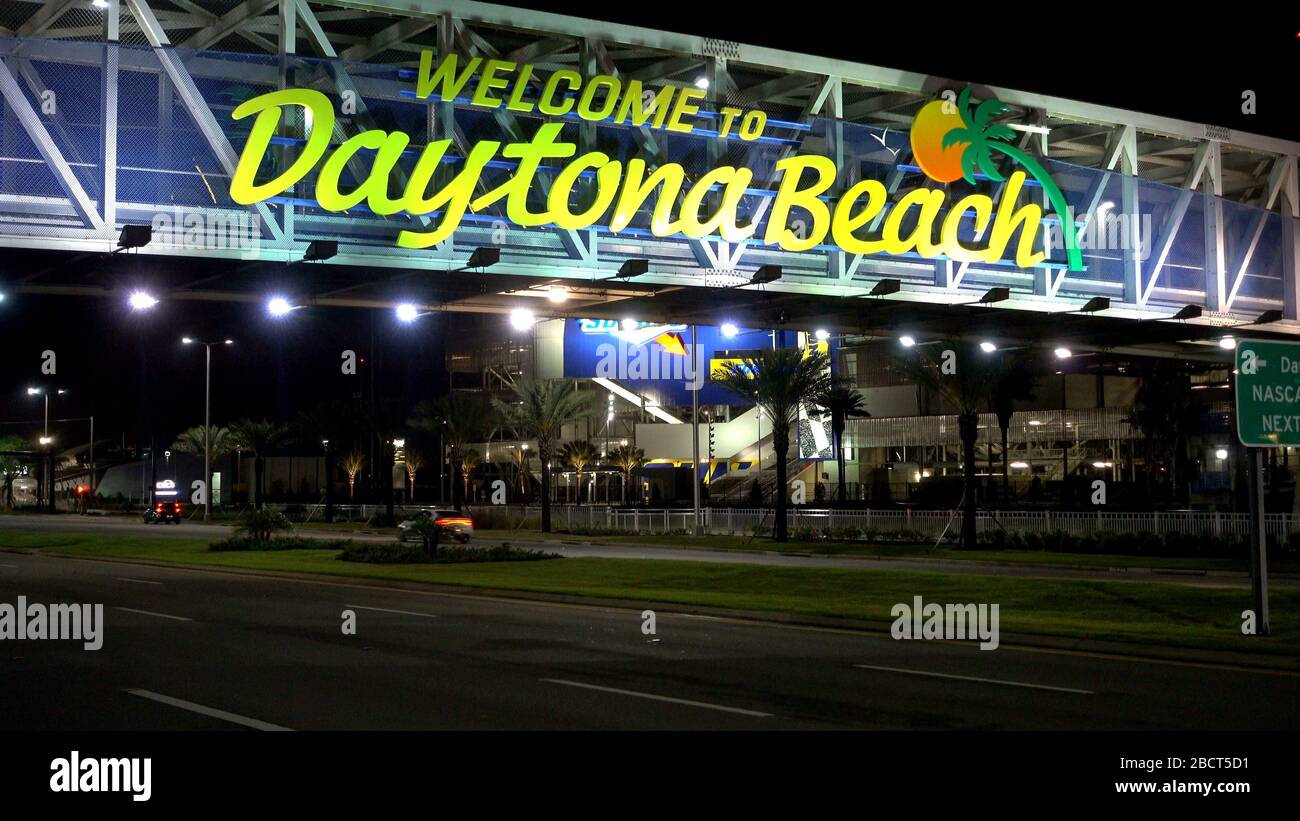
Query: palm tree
{"points": [[967, 387], [258, 438], [1013, 383], [414, 461], [982, 140], [11, 466], [385, 420], [779, 382], [469, 461], [353, 463], [195, 440], [519, 458], [627, 459], [841, 402], [540, 412], [579, 455], [1163, 411], [459, 419]]}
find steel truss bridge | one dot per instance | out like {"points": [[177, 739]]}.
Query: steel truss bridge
{"points": [[120, 116]]}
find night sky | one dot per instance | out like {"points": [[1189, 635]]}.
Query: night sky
{"points": [[133, 373], [1132, 56]]}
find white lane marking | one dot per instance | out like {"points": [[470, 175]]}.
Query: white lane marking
{"points": [[387, 610], [212, 712], [10, 566], [137, 581], [976, 678], [152, 613], [654, 697]]}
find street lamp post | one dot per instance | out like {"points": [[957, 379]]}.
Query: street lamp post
{"points": [[207, 420], [698, 528], [46, 487]]}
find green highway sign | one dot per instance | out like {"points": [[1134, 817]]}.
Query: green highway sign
{"points": [[1268, 393]]}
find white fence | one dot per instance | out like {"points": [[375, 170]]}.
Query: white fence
{"points": [[742, 521], [927, 522]]}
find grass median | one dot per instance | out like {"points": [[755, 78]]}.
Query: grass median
{"points": [[1139, 612]]}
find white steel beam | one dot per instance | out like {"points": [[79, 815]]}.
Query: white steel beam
{"points": [[21, 107], [389, 37], [227, 24], [44, 17], [108, 114], [194, 103]]}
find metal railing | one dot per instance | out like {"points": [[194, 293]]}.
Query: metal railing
{"points": [[742, 521]]}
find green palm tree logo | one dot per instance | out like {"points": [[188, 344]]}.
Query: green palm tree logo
{"points": [[982, 139]]}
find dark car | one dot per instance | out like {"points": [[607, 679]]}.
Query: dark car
{"points": [[164, 512]]}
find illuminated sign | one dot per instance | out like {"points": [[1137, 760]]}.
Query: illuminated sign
{"points": [[949, 140], [637, 333]]}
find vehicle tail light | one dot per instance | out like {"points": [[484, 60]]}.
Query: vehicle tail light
{"points": [[464, 521]]}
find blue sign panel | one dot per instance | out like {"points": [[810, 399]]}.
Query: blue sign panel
{"points": [[655, 360]]}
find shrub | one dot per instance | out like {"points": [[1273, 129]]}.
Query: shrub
{"points": [[259, 525], [400, 553], [430, 533], [382, 519], [285, 543]]}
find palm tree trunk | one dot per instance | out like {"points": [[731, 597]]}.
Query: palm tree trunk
{"points": [[259, 468], [386, 482], [967, 424], [781, 446], [545, 490], [1006, 481], [457, 498], [838, 430]]}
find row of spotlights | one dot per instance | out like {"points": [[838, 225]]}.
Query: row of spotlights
{"points": [[278, 306]]}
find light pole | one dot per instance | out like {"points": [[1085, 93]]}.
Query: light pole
{"points": [[47, 481], [698, 529], [207, 419]]}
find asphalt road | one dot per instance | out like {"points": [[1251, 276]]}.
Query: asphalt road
{"points": [[199, 649], [198, 530]]}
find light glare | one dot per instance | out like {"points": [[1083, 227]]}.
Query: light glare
{"points": [[521, 319]]}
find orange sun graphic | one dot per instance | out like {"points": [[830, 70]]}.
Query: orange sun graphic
{"points": [[932, 122]]}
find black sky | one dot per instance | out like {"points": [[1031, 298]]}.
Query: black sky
{"points": [[1150, 57]]}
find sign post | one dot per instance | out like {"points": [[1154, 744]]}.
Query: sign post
{"points": [[1268, 416], [698, 528]]}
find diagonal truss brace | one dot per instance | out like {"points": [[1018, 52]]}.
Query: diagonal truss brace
{"points": [[194, 103], [31, 122]]}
